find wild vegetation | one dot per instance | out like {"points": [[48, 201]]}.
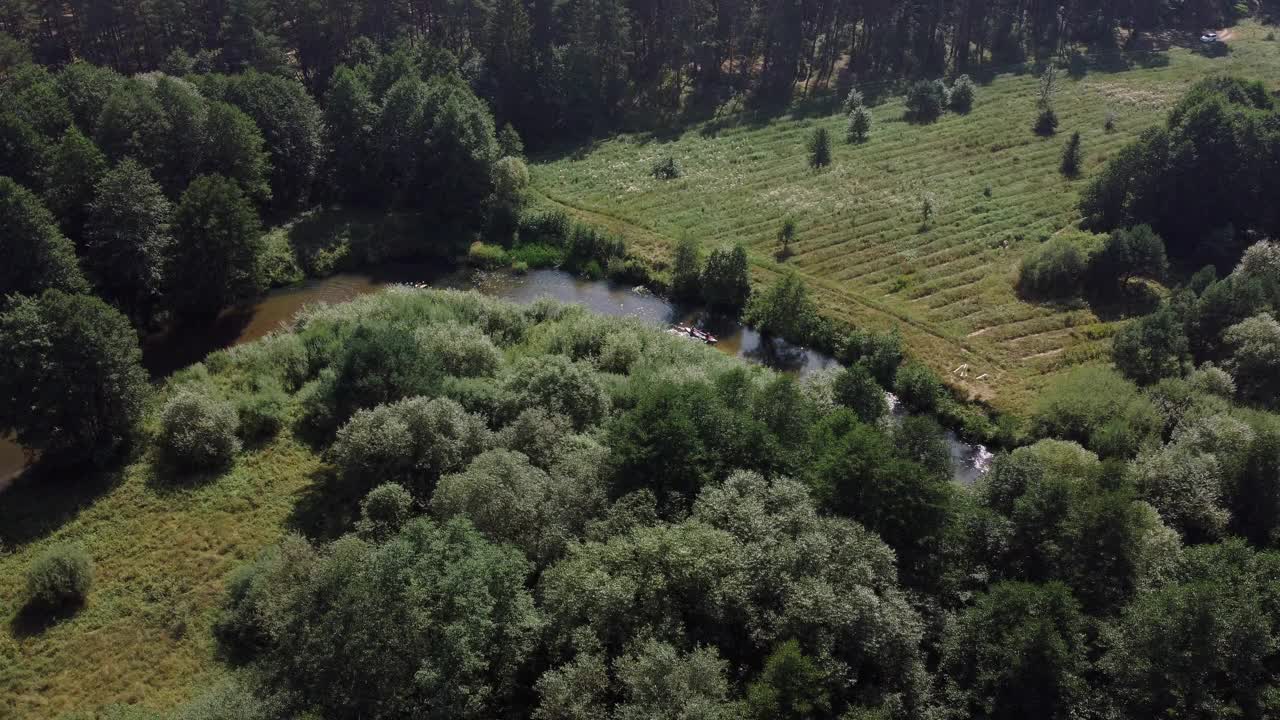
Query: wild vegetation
{"points": [[469, 508], [434, 504]]}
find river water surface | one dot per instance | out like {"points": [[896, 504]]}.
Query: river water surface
{"points": [[164, 354]]}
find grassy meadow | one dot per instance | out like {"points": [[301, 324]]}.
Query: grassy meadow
{"points": [[161, 557], [995, 189]]}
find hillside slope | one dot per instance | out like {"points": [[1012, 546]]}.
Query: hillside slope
{"points": [[995, 188]]}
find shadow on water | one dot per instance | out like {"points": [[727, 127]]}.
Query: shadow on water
{"points": [[166, 353]]}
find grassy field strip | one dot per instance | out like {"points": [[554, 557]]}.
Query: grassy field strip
{"points": [[834, 300]]}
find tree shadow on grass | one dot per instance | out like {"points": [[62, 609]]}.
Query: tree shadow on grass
{"points": [[44, 498], [34, 619], [1134, 300], [166, 479], [328, 507]]}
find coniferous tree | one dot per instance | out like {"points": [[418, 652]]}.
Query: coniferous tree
{"points": [[508, 57], [819, 148], [859, 127], [1072, 156]]}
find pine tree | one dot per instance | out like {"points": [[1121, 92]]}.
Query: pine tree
{"points": [[859, 125], [508, 56], [1072, 156], [819, 148], [786, 234]]}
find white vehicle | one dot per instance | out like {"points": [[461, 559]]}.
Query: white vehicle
{"points": [[1209, 37]]}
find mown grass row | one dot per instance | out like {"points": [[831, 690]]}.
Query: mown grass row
{"points": [[994, 185]]}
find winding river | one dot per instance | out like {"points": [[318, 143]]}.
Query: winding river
{"points": [[164, 354]]}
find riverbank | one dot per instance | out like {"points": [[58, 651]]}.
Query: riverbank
{"points": [[167, 353]]}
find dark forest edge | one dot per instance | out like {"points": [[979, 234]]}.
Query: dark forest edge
{"points": [[560, 71]]}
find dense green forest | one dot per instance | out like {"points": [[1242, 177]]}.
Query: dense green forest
{"points": [[434, 504], [580, 66]]}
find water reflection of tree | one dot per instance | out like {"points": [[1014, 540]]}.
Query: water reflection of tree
{"points": [[775, 353]]}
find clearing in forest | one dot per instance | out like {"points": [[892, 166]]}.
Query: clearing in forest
{"points": [[994, 186]]}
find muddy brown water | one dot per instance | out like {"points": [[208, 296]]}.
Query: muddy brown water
{"points": [[166, 353]]}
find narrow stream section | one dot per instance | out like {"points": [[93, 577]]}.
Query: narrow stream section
{"points": [[167, 353]]}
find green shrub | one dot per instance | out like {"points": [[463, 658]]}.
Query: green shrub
{"points": [[489, 257], [962, 93], [463, 350], [591, 270], [558, 385], [411, 442], [282, 356], [1046, 122], [551, 227], [198, 432], [620, 351], [918, 387], [1097, 408], [926, 99], [536, 255], [856, 388], [262, 412], [1056, 269], [384, 511], [520, 267], [376, 363], [667, 169], [59, 577]]}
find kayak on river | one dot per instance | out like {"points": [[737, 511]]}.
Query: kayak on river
{"points": [[693, 332]]}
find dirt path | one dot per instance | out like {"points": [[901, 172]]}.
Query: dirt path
{"points": [[1226, 35]]}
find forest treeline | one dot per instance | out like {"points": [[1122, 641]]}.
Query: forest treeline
{"points": [[152, 190], [564, 69]]}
